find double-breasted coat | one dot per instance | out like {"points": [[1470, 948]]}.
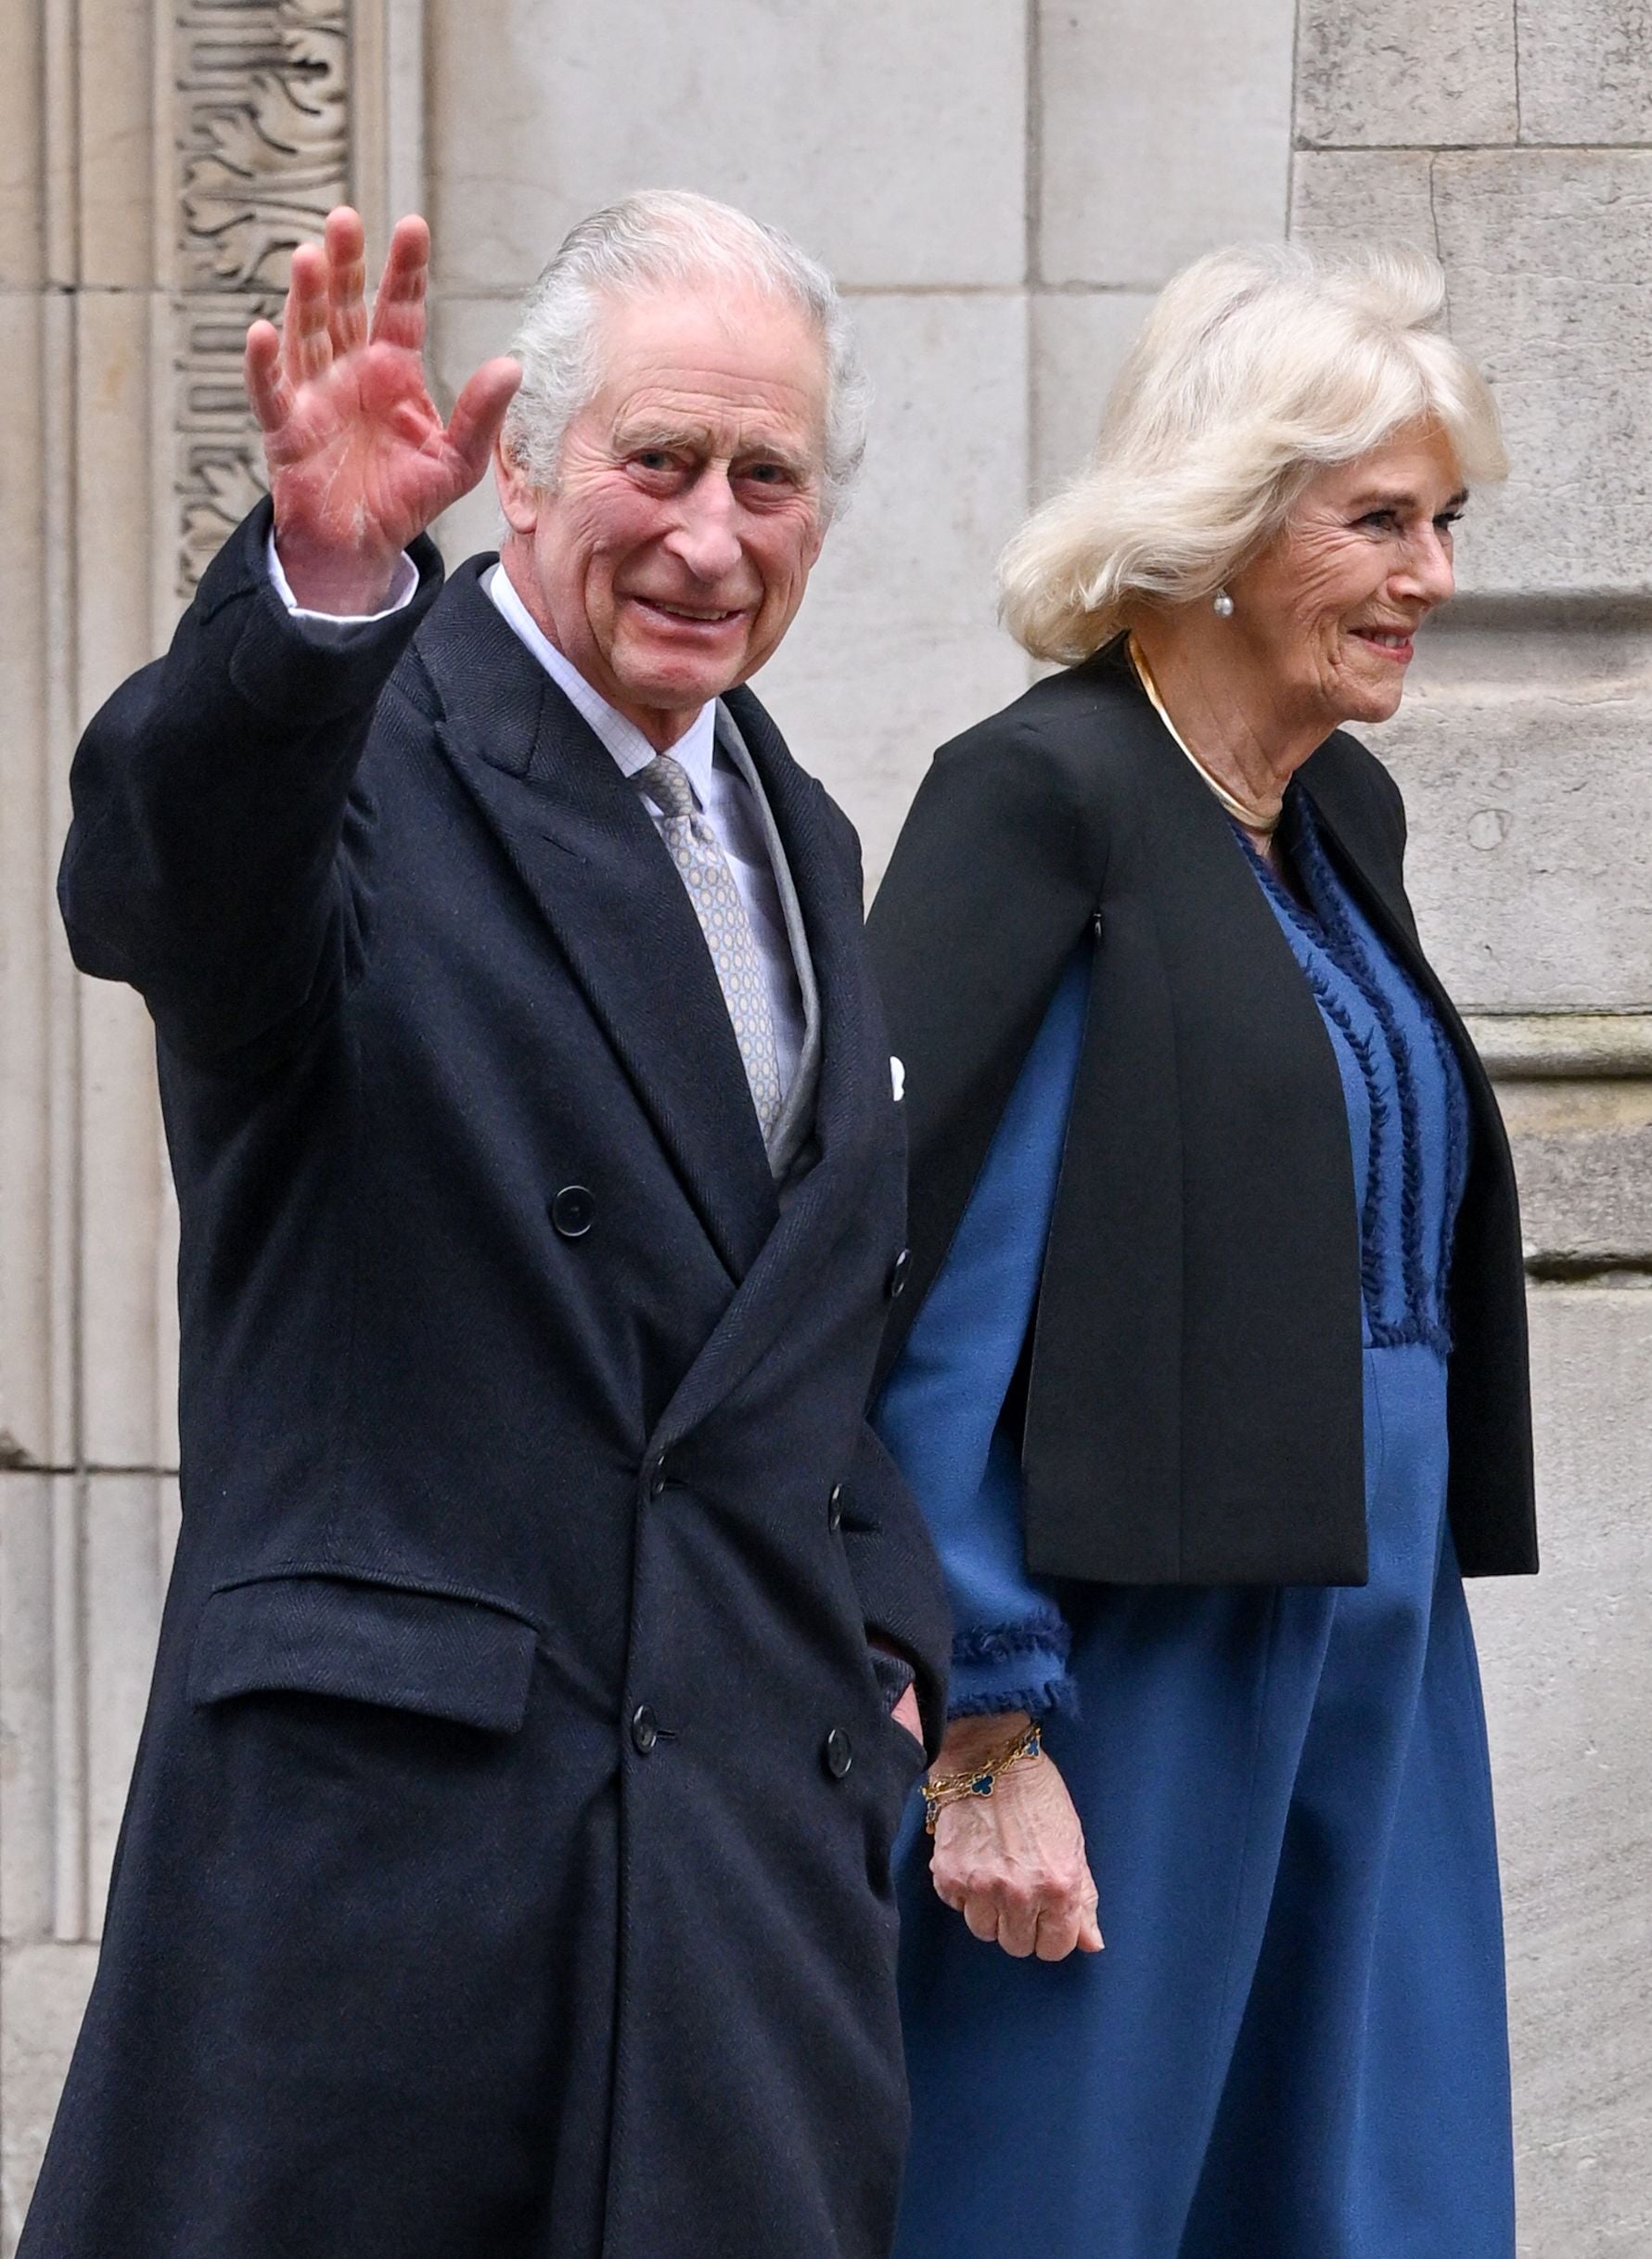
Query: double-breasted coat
{"points": [[504, 1874]]}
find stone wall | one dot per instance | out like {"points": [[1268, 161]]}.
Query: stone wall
{"points": [[1002, 184]]}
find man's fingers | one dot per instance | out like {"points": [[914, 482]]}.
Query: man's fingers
{"points": [[1089, 1937], [306, 348], [266, 386], [478, 414], [347, 279], [399, 309]]}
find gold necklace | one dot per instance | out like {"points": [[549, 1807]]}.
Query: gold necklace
{"points": [[1266, 825]]}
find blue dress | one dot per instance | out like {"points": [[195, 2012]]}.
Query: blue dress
{"points": [[1294, 2045]]}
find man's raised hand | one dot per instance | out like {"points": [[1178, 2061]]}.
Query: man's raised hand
{"points": [[360, 461]]}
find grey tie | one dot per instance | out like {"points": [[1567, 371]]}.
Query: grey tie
{"points": [[697, 853]]}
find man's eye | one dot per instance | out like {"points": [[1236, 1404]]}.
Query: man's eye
{"points": [[652, 458], [768, 474]]}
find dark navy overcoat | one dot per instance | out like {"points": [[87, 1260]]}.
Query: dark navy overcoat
{"points": [[504, 1874]]}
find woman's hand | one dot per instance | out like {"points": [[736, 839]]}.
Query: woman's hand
{"points": [[1013, 1863], [360, 461]]}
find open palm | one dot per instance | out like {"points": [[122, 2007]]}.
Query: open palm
{"points": [[359, 459]]}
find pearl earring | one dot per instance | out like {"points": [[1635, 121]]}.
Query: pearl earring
{"points": [[1222, 604]]}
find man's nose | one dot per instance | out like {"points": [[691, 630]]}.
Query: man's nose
{"points": [[706, 537]]}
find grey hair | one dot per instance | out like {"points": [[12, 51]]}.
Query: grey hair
{"points": [[1257, 366], [667, 237]]}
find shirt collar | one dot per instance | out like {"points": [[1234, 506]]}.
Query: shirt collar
{"points": [[695, 748]]}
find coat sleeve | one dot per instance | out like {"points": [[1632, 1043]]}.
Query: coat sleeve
{"points": [[209, 798], [942, 1413], [891, 1560]]}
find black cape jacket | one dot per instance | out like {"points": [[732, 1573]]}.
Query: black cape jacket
{"points": [[1193, 1397]]}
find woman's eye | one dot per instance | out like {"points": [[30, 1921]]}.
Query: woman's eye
{"points": [[1381, 522], [1447, 519]]}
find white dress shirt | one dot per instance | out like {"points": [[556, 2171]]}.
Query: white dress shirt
{"points": [[719, 788]]}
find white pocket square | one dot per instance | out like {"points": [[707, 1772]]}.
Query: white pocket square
{"points": [[898, 1079]]}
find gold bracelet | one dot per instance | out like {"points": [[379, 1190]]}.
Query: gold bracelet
{"points": [[980, 1779]]}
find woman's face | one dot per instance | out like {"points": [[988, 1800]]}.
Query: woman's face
{"points": [[1330, 606]]}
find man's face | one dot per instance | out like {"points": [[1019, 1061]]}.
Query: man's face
{"points": [[674, 553]]}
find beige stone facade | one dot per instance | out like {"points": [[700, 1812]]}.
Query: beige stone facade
{"points": [[1002, 184]]}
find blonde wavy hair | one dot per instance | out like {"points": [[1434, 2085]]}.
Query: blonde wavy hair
{"points": [[1257, 367]]}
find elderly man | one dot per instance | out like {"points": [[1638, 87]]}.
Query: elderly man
{"points": [[505, 1874]]}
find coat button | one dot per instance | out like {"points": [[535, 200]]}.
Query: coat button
{"points": [[571, 1211], [645, 1730], [835, 1508], [657, 1478], [837, 1753], [898, 1270]]}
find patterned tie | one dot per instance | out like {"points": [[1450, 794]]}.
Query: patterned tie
{"points": [[722, 919]]}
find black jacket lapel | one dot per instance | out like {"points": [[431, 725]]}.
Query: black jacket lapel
{"points": [[584, 847]]}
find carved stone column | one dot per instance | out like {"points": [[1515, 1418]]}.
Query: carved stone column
{"points": [[156, 165], [260, 145]]}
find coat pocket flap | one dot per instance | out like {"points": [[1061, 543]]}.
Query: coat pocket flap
{"points": [[367, 1643]]}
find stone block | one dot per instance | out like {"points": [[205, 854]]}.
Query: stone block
{"points": [[1522, 756], [170, 1517], [43, 1997], [122, 1293], [1546, 258], [124, 1592], [464, 333], [22, 150], [115, 85], [1564, 1661], [1348, 198], [28, 1797], [1162, 132], [28, 1165], [1079, 343], [114, 487], [122, 1165], [1550, 290], [166, 1316], [889, 141], [1586, 71], [1583, 1157], [897, 647], [1406, 74]]}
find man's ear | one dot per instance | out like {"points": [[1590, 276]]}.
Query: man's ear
{"points": [[518, 497]]}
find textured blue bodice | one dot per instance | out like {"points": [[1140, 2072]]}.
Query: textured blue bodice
{"points": [[1407, 1107]]}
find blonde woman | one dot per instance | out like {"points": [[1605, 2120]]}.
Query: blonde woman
{"points": [[1211, 1368]]}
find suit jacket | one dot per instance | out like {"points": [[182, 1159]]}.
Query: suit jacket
{"points": [[505, 1869], [1193, 1401]]}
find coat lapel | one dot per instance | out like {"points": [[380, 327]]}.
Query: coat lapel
{"points": [[854, 1104], [582, 844]]}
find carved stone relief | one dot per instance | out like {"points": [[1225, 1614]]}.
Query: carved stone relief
{"points": [[263, 140]]}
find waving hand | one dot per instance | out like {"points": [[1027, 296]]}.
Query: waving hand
{"points": [[359, 459]]}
